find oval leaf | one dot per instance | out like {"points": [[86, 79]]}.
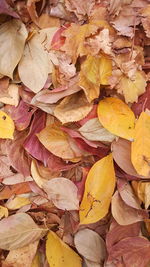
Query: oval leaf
{"points": [[7, 126], [63, 193], [140, 148], [12, 40], [33, 67], [90, 245], [99, 187], [116, 117], [17, 231], [59, 254]]}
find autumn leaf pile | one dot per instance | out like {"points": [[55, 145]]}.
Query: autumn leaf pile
{"points": [[74, 133]]}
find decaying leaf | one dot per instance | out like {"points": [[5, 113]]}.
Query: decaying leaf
{"points": [[140, 148], [21, 256], [6, 126], [60, 254], [94, 131], [63, 193], [90, 245], [12, 40], [99, 187], [116, 117], [27, 231], [73, 108], [34, 68]]}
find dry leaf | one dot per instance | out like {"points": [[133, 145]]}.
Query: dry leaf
{"points": [[73, 108], [132, 89], [59, 254], [116, 117], [99, 187], [34, 66], [13, 35], [6, 126], [94, 131], [17, 202], [90, 245], [27, 231], [21, 256], [140, 148], [13, 95], [63, 193], [59, 143], [3, 212]]}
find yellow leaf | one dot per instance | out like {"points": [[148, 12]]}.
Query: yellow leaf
{"points": [[90, 68], [91, 90], [140, 148], [105, 70], [3, 212], [59, 143], [99, 187], [132, 89], [7, 126], [59, 254], [75, 37], [36, 261], [73, 108], [116, 117]]}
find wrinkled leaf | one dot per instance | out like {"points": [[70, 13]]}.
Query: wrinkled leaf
{"points": [[59, 254], [116, 117], [99, 187]]}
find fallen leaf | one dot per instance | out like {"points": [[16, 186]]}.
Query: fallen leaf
{"points": [[17, 202], [94, 131], [17, 189], [21, 256], [140, 148], [81, 9], [13, 96], [73, 108], [3, 212], [5, 8], [60, 254], [90, 245], [27, 231], [105, 70], [34, 66], [13, 35], [124, 214], [143, 102], [132, 89], [98, 191], [116, 117], [63, 193], [6, 126]]}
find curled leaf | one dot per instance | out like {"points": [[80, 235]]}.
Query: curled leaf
{"points": [[116, 117], [99, 187]]}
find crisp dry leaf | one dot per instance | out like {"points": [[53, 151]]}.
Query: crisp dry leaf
{"points": [[21, 256], [81, 9], [140, 148], [13, 95], [59, 143], [59, 254], [132, 89], [90, 245], [17, 202], [94, 131], [124, 214], [75, 37], [63, 193], [27, 231], [99, 187], [34, 66], [116, 117], [13, 35], [6, 126], [131, 251], [121, 151], [3, 212], [73, 108]]}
